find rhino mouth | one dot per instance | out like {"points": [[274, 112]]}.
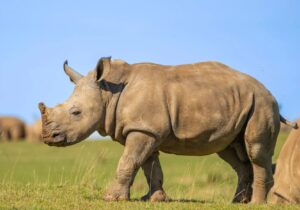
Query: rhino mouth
{"points": [[60, 144], [63, 143], [58, 139]]}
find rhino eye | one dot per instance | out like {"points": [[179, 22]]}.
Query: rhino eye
{"points": [[75, 111]]}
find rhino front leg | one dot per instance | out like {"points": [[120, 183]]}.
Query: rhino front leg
{"points": [[154, 176], [138, 147]]}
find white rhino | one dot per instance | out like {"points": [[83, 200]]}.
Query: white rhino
{"points": [[34, 131], [192, 109], [12, 129], [286, 187]]}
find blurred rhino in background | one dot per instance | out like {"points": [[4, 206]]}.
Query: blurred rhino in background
{"points": [[34, 131], [12, 129], [192, 109], [286, 187]]}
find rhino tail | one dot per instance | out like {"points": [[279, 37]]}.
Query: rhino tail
{"points": [[285, 121]]}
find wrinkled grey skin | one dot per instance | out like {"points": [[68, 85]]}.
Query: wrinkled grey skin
{"points": [[286, 187], [192, 109]]}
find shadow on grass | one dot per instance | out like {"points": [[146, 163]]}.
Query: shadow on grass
{"points": [[175, 200], [189, 201]]}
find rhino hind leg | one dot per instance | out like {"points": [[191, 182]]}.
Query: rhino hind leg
{"points": [[5, 135], [243, 170], [260, 139], [154, 176], [138, 148], [17, 133]]}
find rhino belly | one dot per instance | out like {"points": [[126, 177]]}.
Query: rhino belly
{"points": [[201, 145]]}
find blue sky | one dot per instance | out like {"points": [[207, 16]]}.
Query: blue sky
{"points": [[260, 38]]}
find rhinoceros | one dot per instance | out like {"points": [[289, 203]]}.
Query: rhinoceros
{"points": [[34, 131], [286, 187], [11, 128], [192, 109]]}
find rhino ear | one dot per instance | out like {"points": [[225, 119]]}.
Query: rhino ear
{"points": [[73, 75], [102, 68]]}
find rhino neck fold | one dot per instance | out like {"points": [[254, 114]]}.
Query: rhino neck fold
{"points": [[112, 86], [111, 94]]}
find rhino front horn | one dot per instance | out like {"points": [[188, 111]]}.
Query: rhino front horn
{"points": [[42, 108]]}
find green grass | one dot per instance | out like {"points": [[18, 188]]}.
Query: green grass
{"points": [[35, 176]]}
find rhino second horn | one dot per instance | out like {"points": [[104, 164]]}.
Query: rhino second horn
{"points": [[74, 75]]}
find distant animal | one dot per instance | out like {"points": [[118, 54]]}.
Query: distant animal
{"points": [[34, 131], [191, 109], [11, 129], [286, 187]]}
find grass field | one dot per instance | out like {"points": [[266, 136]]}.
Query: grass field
{"points": [[35, 176]]}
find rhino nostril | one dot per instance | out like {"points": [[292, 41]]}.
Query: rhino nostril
{"points": [[55, 135]]}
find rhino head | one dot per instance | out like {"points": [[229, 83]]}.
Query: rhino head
{"points": [[81, 114]]}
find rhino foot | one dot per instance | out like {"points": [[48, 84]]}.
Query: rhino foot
{"points": [[116, 194], [243, 197], [115, 197], [145, 197], [157, 196]]}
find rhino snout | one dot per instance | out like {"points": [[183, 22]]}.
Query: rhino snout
{"points": [[56, 139]]}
